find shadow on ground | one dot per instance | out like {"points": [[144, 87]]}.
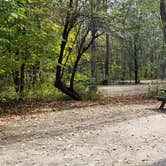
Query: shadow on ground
{"points": [[161, 111], [159, 163], [80, 124]]}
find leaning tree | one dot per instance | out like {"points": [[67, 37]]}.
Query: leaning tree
{"points": [[76, 40]]}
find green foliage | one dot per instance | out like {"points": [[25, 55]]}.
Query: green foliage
{"points": [[7, 95], [42, 91], [88, 93], [31, 34], [45, 91], [154, 90]]}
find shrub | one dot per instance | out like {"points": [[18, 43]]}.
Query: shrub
{"points": [[41, 91], [8, 94], [88, 93], [154, 90]]}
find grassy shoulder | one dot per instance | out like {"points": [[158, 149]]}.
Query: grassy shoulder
{"points": [[154, 91], [45, 91]]}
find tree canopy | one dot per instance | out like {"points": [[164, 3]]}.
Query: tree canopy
{"points": [[65, 43]]}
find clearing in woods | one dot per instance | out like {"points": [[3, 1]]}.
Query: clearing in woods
{"points": [[119, 131]]}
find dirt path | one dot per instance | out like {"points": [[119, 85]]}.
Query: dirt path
{"points": [[101, 135], [123, 89], [131, 89]]}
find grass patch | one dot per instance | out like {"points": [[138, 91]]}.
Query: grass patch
{"points": [[155, 90], [45, 91], [88, 93]]}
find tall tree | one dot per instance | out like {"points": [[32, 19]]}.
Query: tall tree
{"points": [[77, 23], [163, 18], [107, 55], [163, 15]]}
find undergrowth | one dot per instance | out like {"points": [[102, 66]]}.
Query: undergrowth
{"points": [[154, 91], [45, 91]]}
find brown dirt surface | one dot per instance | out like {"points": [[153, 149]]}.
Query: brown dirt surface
{"points": [[120, 130]]}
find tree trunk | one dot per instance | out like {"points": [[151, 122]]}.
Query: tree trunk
{"points": [[163, 16], [68, 91], [22, 76], [74, 72], [93, 59], [65, 36], [107, 58], [15, 74], [35, 72], [19, 78], [152, 62], [136, 67]]}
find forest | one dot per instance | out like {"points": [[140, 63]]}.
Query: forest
{"points": [[82, 82], [49, 48]]}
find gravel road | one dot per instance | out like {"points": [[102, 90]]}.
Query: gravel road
{"points": [[131, 89], [123, 89], [101, 135]]}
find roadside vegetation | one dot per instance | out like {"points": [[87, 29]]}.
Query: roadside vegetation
{"points": [[59, 50]]}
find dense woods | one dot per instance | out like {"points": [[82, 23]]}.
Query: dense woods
{"points": [[47, 45]]}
